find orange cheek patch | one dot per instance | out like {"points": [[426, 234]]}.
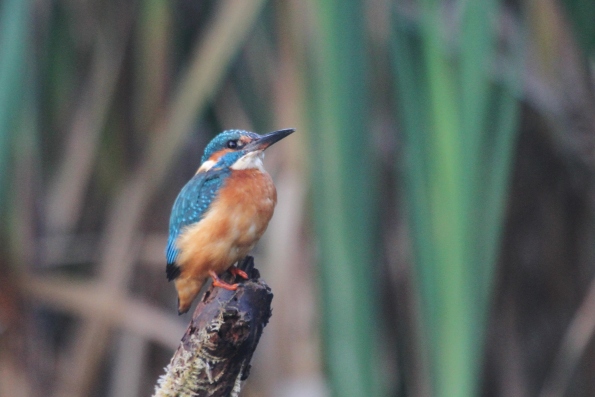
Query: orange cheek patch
{"points": [[217, 155]]}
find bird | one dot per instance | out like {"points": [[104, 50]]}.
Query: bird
{"points": [[221, 212]]}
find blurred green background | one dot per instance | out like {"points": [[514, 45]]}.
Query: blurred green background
{"points": [[435, 227]]}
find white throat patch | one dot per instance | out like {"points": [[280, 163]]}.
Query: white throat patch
{"points": [[250, 160]]}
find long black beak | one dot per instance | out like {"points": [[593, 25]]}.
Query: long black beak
{"points": [[267, 140]]}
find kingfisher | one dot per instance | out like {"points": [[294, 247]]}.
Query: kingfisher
{"points": [[221, 213]]}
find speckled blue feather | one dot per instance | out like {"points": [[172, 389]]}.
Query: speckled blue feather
{"points": [[191, 204]]}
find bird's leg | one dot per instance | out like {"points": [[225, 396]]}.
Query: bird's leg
{"points": [[238, 272], [217, 282]]}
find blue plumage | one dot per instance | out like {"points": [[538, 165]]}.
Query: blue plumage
{"points": [[196, 196], [250, 198]]}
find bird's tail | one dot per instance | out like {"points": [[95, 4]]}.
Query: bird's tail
{"points": [[188, 289]]}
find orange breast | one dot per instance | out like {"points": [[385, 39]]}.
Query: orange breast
{"points": [[231, 227]]}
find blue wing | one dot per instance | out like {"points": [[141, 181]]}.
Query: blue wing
{"points": [[190, 205]]}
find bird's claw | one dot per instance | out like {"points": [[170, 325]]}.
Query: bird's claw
{"points": [[224, 285], [217, 282], [238, 272]]}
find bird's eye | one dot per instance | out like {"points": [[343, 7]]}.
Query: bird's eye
{"points": [[232, 144]]}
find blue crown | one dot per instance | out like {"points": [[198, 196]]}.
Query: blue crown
{"points": [[220, 141]]}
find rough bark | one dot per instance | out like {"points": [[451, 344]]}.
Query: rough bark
{"points": [[214, 355]]}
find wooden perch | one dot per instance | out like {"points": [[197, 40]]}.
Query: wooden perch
{"points": [[214, 355]]}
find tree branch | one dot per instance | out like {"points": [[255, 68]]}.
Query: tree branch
{"points": [[214, 355]]}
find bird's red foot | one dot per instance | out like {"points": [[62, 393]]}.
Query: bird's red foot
{"points": [[237, 272], [217, 282]]}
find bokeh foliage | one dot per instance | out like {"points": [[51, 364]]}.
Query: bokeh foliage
{"points": [[440, 181], [459, 123], [344, 197]]}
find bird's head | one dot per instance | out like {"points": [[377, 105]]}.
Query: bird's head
{"points": [[239, 149]]}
